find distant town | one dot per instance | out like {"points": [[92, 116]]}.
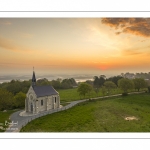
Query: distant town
{"points": [[136, 75]]}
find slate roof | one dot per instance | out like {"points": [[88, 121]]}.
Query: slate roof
{"points": [[47, 90]]}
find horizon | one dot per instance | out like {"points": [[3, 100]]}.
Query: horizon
{"points": [[50, 77], [74, 45]]}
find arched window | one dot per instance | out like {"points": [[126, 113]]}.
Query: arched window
{"points": [[41, 102]]}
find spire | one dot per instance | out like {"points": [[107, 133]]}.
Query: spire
{"points": [[33, 78]]}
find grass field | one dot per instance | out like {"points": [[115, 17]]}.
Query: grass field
{"points": [[4, 116], [68, 95], [107, 115]]}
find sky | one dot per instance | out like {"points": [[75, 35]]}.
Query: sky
{"points": [[74, 45]]}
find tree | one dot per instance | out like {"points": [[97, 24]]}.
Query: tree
{"points": [[148, 85], [103, 89], [14, 86], [102, 80], [96, 90], [109, 85], [19, 100], [103, 76], [73, 82], [115, 79], [43, 81], [84, 88], [6, 99], [59, 79], [89, 82], [66, 84], [55, 84], [139, 83], [96, 82], [125, 84], [148, 89]]}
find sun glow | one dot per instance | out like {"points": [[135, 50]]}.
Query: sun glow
{"points": [[72, 44]]}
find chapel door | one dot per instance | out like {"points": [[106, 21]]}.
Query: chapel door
{"points": [[31, 107]]}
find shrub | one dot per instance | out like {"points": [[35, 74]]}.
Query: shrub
{"points": [[124, 94], [149, 89], [6, 100]]}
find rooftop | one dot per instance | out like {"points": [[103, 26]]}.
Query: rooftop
{"points": [[47, 90]]}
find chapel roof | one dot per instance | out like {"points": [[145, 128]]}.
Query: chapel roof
{"points": [[33, 77], [47, 90]]}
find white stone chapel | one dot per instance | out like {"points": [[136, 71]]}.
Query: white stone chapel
{"points": [[41, 98]]}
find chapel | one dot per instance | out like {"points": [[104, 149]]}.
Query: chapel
{"points": [[41, 98]]}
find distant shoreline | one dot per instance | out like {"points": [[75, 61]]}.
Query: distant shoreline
{"points": [[78, 78]]}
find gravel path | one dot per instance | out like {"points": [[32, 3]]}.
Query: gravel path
{"points": [[20, 121]]}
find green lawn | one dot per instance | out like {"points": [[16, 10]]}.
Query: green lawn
{"points": [[105, 115], [4, 116], [68, 95]]}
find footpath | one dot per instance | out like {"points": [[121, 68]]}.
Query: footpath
{"points": [[19, 120]]}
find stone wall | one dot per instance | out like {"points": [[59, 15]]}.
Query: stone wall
{"points": [[49, 102]]}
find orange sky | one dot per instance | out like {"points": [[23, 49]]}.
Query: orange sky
{"points": [[75, 45]]}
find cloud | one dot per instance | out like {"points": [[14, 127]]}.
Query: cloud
{"points": [[142, 40], [118, 33], [12, 46], [137, 51], [131, 52], [7, 44], [136, 26]]}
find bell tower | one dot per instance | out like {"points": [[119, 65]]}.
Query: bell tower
{"points": [[33, 78]]}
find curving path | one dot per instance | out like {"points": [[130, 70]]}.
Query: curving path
{"points": [[23, 120]]}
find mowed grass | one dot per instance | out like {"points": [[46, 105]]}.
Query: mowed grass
{"points": [[4, 116], [69, 95], [106, 115]]}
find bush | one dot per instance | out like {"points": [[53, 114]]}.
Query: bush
{"points": [[149, 89], [91, 100], [19, 100], [6, 100], [124, 94]]}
